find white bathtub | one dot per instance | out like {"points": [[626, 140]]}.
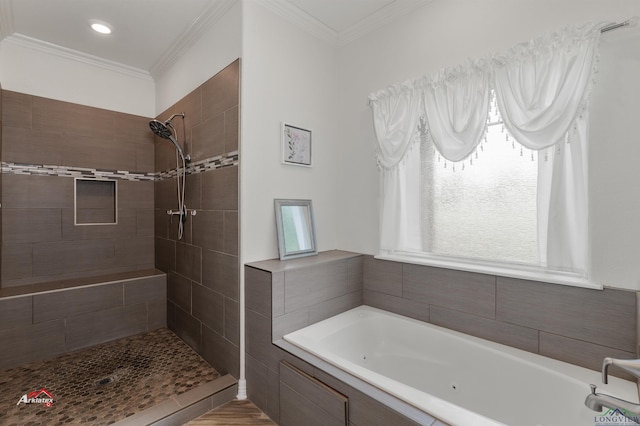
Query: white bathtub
{"points": [[454, 377]]}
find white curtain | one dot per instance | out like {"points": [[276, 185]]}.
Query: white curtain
{"points": [[396, 113], [542, 90]]}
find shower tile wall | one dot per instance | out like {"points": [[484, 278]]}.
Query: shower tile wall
{"points": [[202, 268], [40, 241]]}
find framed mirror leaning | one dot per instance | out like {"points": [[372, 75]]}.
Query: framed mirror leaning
{"points": [[295, 228]]}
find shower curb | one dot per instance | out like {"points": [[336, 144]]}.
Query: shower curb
{"points": [[180, 409]]}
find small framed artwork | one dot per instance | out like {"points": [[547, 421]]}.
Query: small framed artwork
{"points": [[296, 145]]}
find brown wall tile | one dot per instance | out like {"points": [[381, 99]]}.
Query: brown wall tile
{"points": [[355, 277], [189, 261], [15, 312], [28, 146], [135, 252], [145, 158], [164, 154], [496, 331], [208, 307], [30, 343], [63, 304], [17, 263], [220, 273], [601, 317], [258, 290], [145, 223], [287, 323], [208, 138], [382, 276], [179, 291], [96, 327], [220, 92], [335, 306], [231, 129], [69, 118], [165, 195], [581, 353], [189, 330], [208, 230], [144, 290], [31, 225], [16, 109], [231, 236], [398, 305], [50, 192], [310, 286], [192, 193], [165, 254], [232, 321], [156, 315], [463, 291], [135, 195], [220, 189], [223, 355], [51, 258], [15, 191]]}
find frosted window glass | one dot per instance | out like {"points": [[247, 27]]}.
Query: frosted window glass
{"points": [[487, 210]]}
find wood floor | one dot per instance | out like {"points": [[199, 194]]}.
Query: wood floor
{"points": [[234, 413]]}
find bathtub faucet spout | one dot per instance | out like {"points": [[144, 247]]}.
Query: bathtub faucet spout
{"points": [[599, 401], [629, 365]]}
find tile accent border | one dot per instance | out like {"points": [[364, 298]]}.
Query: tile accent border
{"points": [[213, 163]]}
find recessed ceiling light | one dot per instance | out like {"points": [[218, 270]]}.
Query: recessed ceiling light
{"points": [[100, 27]]}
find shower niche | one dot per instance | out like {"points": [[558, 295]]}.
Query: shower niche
{"points": [[95, 202]]}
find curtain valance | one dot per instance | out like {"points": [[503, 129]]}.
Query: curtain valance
{"points": [[541, 88]]}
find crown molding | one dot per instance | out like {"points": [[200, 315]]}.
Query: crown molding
{"points": [[378, 19], [74, 55], [212, 13], [299, 17], [381, 17], [6, 19]]}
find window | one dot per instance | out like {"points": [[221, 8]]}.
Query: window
{"points": [[426, 210], [485, 207]]}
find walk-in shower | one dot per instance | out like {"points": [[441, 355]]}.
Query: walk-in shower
{"points": [[166, 131]]}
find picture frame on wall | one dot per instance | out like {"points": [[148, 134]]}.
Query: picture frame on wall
{"points": [[296, 145]]}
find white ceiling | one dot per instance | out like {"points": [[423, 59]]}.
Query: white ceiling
{"points": [[148, 34]]}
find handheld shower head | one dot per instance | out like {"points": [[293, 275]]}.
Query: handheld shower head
{"points": [[160, 129], [164, 130]]}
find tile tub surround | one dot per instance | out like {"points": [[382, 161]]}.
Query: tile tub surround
{"points": [[45, 144], [42, 321], [283, 296], [203, 268], [576, 325], [131, 381]]}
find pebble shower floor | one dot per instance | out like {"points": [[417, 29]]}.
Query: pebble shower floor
{"points": [[103, 384]]}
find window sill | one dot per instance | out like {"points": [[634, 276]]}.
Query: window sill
{"points": [[504, 270]]}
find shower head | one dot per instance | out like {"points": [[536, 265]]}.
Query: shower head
{"points": [[165, 131], [160, 129]]}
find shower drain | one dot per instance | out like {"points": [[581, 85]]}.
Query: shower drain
{"points": [[118, 373], [104, 381]]}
